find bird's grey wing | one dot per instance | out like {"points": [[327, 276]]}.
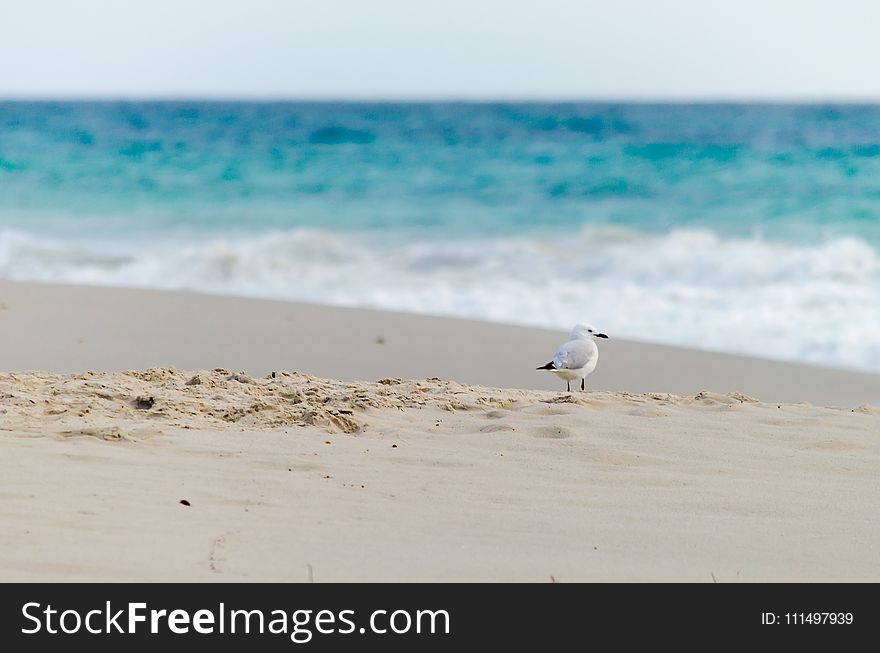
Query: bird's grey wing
{"points": [[574, 355]]}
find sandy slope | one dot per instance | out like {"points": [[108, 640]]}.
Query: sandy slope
{"points": [[294, 477]]}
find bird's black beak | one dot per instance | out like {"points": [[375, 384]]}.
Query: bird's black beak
{"points": [[601, 335]]}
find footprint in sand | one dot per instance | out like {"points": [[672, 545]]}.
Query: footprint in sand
{"points": [[648, 411], [552, 409], [495, 428], [552, 432], [110, 434]]}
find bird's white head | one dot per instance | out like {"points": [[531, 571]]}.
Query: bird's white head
{"points": [[584, 331]]}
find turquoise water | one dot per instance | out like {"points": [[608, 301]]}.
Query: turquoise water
{"points": [[745, 228]]}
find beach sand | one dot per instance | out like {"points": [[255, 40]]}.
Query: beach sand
{"points": [[328, 444]]}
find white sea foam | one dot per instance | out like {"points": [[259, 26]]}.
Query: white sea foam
{"points": [[818, 304]]}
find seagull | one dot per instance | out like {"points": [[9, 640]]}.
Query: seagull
{"points": [[577, 358]]}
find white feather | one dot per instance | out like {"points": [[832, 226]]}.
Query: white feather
{"points": [[577, 358]]}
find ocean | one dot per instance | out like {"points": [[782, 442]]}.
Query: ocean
{"points": [[743, 228]]}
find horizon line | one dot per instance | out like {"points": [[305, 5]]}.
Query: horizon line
{"points": [[442, 99]]}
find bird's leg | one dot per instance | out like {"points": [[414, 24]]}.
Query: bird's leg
{"points": [[582, 385], [568, 386]]}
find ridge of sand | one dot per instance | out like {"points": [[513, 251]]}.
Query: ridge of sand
{"points": [[118, 405]]}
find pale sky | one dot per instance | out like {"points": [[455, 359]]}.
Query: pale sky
{"points": [[446, 49]]}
